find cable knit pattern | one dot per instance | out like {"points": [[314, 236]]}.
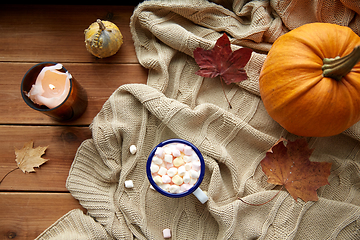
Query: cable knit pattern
{"points": [[176, 103]]}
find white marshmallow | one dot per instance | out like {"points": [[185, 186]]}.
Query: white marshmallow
{"points": [[159, 152], [154, 168], [194, 157], [166, 233], [193, 181], [167, 150], [180, 147], [162, 171], [174, 189], [188, 166], [194, 174], [172, 171], [169, 165], [181, 170], [158, 180], [187, 177], [168, 158], [166, 179], [187, 159], [176, 153], [165, 187], [185, 187], [129, 184], [196, 166], [157, 160], [188, 150], [132, 149]]}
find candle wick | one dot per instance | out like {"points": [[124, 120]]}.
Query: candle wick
{"points": [[52, 87]]}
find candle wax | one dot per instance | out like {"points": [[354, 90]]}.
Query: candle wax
{"points": [[51, 87]]}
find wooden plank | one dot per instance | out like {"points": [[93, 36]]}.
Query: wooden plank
{"points": [[33, 33], [63, 142], [27, 215], [99, 80]]}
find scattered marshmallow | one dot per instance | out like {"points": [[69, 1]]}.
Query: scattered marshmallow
{"points": [[129, 184], [166, 233], [202, 196], [133, 149]]}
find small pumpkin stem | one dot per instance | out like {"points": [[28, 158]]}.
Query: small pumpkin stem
{"points": [[101, 25], [338, 67]]}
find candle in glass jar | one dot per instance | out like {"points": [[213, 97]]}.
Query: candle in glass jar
{"points": [[51, 87]]}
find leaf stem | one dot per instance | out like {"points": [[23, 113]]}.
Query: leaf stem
{"points": [[260, 204], [222, 86], [8, 174]]}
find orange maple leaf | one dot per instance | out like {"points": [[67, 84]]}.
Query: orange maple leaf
{"points": [[290, 166]]}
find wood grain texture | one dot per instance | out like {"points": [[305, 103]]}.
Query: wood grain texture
{"points": [[99, 80], [33, 33], [27, 215], [63, 142], [30, 34]]}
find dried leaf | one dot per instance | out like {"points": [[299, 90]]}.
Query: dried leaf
{"points": [[28, 157], [290, 166], [221, 61]]}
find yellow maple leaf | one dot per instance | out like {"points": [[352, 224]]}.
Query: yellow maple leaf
{"points": [[28, 157]]}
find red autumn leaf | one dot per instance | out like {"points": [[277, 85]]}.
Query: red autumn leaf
{"points": [[221, 61], [290, 166]]}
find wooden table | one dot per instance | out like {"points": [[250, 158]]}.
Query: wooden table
{"points": [[30, 34]]}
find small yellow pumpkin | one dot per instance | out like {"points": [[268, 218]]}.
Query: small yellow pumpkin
{"points": [[310, 80], [103, 39]]}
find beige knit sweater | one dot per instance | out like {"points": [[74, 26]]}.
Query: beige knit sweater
{"points": [[176, 103]]}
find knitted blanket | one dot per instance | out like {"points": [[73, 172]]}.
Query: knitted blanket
{"points": [[176, 103]]}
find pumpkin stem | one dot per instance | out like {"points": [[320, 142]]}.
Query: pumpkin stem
{"points": [[101, 24], [338, 67]]}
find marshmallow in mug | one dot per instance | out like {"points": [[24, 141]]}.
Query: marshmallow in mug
{"points": [[175, 167]]}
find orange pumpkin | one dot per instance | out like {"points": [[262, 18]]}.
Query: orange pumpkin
{"points": [[310, 80]]}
